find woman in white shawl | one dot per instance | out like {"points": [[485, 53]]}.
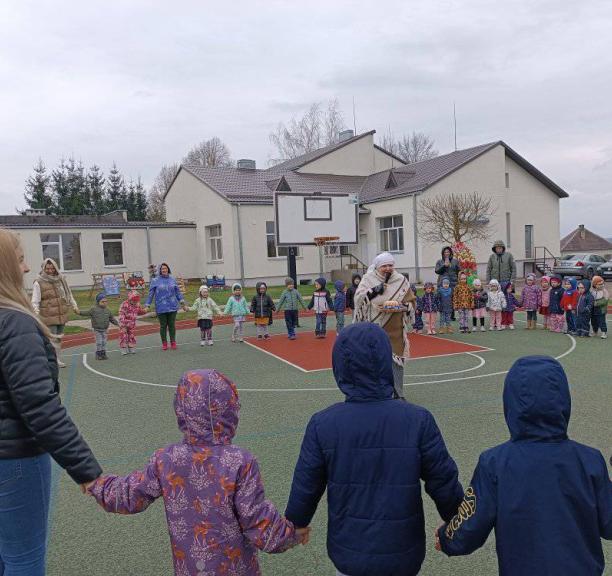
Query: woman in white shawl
{"points": [[380, 284]]}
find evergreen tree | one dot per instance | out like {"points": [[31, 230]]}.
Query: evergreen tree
{"points": [[141, 201], [78, 194], [115, 190], [59, 189], [131, 201], [95, 187], [37, 191]]}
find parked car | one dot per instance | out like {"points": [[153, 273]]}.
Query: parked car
{"points": [[605, 270], [579, 265]]}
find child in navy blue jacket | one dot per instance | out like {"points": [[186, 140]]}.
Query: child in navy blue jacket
{"points": [[584, 310], [339, 304], [548, 498]]}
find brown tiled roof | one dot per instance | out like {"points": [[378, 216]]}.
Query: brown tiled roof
{"points": [[257, 186], [574, 242]]}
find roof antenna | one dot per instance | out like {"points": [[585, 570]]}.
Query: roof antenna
{"points": [[354, 120], [455, 123]]}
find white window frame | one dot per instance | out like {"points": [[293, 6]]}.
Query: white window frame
{"points": [[384, 234], [60, 245], [108, 240], [216, 241], [276, 247]]}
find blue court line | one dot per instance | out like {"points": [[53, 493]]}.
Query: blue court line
{"points": [[56, 470]]}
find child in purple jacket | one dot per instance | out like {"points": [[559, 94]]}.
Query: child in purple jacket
{"points": [[216, 509], [512, 304], [430, 306], [531, 300]]}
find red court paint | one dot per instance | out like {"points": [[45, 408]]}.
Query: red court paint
{"points": [[309, 353]]}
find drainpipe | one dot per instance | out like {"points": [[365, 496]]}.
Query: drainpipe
{"points": [[417, 270], [149, 256], [241, 255]]}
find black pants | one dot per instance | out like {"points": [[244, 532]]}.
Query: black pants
{"points": [[291, 320]]}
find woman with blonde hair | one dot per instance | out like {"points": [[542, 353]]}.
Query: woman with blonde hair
{"points": [[33, 421], [52, 300]]}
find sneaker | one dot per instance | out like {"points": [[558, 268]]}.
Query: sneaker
{"points": [[473, 328], [164, 345], [433, 332], [604, 335], [292, 337], [266, 336], [173, 345], [259, 337], [241, 339], [130, 350], [491, 327], [233, 339], [429, 332], [210, 342], [124, 352], [202, 342], [511, 326], [500, 328], [98, 356], [483, 329]]}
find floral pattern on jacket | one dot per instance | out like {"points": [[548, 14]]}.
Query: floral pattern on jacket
{"points": [[496, 301], [463, 299], [531, 297], [128, 314], [236, 306], [429, 302], [216, 509], [206, 308]]}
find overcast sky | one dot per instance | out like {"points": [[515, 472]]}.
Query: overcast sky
{"points": [[139, 82]]}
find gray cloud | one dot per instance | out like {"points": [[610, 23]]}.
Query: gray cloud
{"points": [[140, 82]]}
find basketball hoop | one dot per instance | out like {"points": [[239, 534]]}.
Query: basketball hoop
{"points": [[322, 240]]}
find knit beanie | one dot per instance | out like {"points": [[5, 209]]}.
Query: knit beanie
{"points": [[236, 286], [100, 296], [289, 280]]}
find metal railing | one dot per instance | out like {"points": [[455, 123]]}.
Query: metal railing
{"points": [[543, 259], [349, 262]]}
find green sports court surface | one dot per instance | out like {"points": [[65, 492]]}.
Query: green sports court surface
{"points": [[123, 407]]}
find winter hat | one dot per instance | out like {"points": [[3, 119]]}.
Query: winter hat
{"points": [[383, 259], [596, 281], [236, 286], [493, 283], [321, 282], [531, 276], [100, 296], [586, 284], [477, 283], [203, 288], [339, 285], [445, 282], [556, 278], [259, 285], [428, 285], [289, 280], [134, 297], [545, 279]]}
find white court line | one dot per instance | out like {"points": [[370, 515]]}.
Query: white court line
{"points": [[563, 355], [278, 357], [480, 365]]}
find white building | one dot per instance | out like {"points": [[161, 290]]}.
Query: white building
{"points": [[86, 245], [233, 207]]}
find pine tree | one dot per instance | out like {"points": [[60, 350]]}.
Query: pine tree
{"points": [[141, 201], [115, 190], [59, 189], [95, 187], [37, 191], [78, 193], [131, 201]]}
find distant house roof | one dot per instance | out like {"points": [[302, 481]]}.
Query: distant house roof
{"points": [[583, 240], [113, 220], [258, 186]]}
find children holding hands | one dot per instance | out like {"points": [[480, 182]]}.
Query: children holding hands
{"points": [[237, 308], [480, 305], [262, 307], [496, 303], [322, 303], [129, 311], [289, 301], [101, 319]]}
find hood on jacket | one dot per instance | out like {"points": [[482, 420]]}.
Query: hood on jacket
{"points": [[494, 282], [259, 285], [354, 277], [498, 243], [586, 283], [452, 254], [207, 407], [557, 278], [203, 290], [537, 403], [572, 282], [322, 282], [339, 285], [505, 286], [361, 361]]}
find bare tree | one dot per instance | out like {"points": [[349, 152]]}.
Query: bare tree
{"points": [[409, 147], [209, 153], [318, 127], [156, 210], [455, 217]]}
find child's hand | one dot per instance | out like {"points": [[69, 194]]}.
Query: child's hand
{"points": [[437, 537], [303, 535], [85, 486]]}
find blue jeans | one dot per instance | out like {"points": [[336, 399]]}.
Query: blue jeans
{"points": [[570, 318], [291, 320], [321, 324], [339, 321], [25, 490]]}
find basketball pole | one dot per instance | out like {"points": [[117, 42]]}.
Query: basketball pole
{"points": [[321, 260]]}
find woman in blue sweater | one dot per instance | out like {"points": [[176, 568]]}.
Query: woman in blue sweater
{"points": [[168, 299]]}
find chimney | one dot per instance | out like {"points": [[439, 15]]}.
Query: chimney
{"points": [[345, 135], [36, 212], [582, 231], [246, 164]]}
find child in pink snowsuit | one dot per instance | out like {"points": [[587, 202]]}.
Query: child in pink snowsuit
{"points": [[128, 312], [217, 513]]}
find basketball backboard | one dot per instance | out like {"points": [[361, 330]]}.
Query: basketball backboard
{"points": [[301, 217]]}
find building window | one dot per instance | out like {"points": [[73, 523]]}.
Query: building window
{"points": [[528, 240], [508, 235], [391, 233], [507, 179], [112, 245], [65, 249], [215, 243], [272, 249]]}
